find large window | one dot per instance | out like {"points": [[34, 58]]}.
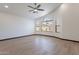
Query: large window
{"points": [[44, 26]]}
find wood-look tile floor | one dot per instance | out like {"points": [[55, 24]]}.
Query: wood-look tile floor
{"points": [[38, 45]]}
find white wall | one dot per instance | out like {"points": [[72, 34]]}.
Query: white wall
{"points": [[67, 16], [70, 19], [14, 26]]}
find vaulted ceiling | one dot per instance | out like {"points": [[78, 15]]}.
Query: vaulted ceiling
{"points": [[21, 9]]}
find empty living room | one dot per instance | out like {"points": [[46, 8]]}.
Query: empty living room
{"points": [[39, 29]]}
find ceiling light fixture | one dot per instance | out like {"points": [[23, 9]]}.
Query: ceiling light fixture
{"points": [[6, 6], [36, 10]]}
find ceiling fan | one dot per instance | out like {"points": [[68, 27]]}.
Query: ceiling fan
{"points": [[35, 8]]}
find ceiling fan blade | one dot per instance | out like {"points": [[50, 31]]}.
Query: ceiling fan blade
{"points": [[35, 3], [38, 6], [40, 9], [31, 7], [34, 12]]}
